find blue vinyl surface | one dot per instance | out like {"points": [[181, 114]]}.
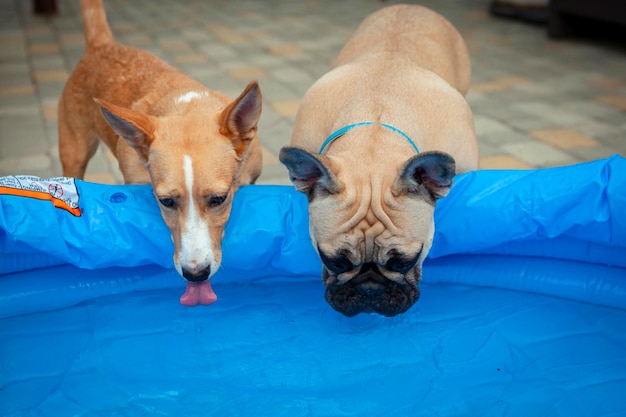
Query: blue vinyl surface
{"points": [[522, 312]]}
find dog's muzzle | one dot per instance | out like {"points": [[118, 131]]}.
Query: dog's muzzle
{"points": [[197, 275], [370, 291]]}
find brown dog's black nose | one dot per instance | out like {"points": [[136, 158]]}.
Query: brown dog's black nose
{"points": [[199, 276]]}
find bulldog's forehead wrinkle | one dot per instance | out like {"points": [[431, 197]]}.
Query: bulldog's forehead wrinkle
{"points": [[371, 228], [378, 207], [361, 210], [366, 220], [370, 240]]}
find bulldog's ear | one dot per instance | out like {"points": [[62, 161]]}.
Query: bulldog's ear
{"points": [[431, 172], [240, 118], [307, 171], [135, 128]]}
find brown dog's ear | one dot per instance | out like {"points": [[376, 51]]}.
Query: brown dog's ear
{"points": [[431, 172], [307, 171], [239, 119], [135, 128]]}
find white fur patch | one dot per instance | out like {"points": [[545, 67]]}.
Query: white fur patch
{"points": [[196, 246], [188, 96]]}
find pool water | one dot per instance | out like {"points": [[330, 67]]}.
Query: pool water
{"points": [[277, 349]]}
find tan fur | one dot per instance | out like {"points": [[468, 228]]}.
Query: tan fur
{"points": [[389, 71], [152, 132], [408, 67]]}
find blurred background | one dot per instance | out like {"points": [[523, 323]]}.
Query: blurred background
{"points": [[548, 86]]}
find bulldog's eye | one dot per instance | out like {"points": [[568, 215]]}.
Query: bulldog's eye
{"points": [[401, 264], [217, 200], [167, 202], [338, 265]]}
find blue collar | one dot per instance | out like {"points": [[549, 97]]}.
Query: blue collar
{"points": [[343, 130]]}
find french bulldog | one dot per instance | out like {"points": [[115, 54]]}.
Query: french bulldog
{"points": [[377, 141]]}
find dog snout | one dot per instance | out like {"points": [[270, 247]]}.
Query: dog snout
{"points": [[370, 291], [370, 282], [196, 274]]}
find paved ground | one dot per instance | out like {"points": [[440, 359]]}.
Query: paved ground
{"points": [[536, 102]]}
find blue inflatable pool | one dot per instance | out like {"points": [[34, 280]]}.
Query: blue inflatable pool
{"points": [[522, 312]]}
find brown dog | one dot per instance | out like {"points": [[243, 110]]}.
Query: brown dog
{"points": [[194, 145], [376, 142]]}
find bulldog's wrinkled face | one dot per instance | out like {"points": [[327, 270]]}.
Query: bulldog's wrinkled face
{"points": [[372, 230]]}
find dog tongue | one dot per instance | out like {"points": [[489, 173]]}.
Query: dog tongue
{"points": [[198, 293]]}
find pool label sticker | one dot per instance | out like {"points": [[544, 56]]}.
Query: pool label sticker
{"points": [[61, 191]]}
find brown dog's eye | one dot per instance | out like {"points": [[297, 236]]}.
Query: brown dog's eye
{"points": [[167, 202], [217, 200]]}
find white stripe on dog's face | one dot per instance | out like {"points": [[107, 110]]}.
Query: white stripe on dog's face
{"points": [[196, 248], [187, 97]]}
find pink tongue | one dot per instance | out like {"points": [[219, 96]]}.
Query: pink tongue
{"points": [[198, 293]]}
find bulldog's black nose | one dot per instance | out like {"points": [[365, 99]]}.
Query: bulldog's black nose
{"points": [[370, 282], [198, 276], [371, 292]]}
